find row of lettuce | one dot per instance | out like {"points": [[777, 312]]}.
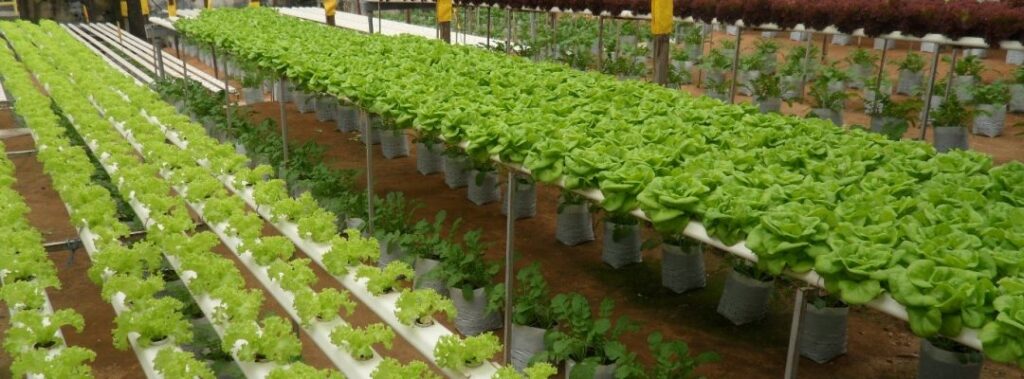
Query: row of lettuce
{"points": [[194, 176], [33, 340], [936, 231]]}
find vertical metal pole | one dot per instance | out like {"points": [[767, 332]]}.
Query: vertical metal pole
{"points": [[508, 30], [824, 46], [227, 94], [284, 128], [488, 27], [600, 43], [661, 61], [952, 71], [931, 88], [510, 232], [881, 70], [735, 66], [213, 53], [369, 170], [793, 350], [554, 35]]}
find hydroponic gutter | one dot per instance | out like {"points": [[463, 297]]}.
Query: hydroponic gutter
{"points": [[422, 338], [319, 331], [109, 56]]}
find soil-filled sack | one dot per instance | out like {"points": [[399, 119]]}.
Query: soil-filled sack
{"points": [[426, 276], [347, 119], [744, 299], [823, 333], [909, 81], [389, 251], [682, 269], [429, 159], [393, 143], [324, 108], [949, 138], [252, 95], [456, 171], [483, 187], [370, 126], [621, 244], [525, 201], [574, 224], [601, 372], [989, 119], [938, 363], [303, 101], [471, 316], [527, 342]]}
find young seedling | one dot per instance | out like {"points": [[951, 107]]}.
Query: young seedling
{"points": [[322, 306], [380, 281], [456, 353], [419, 307], [359, 341], [349, 252]]}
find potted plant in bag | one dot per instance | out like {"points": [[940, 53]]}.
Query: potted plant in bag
{"points": [[252, 89], [622, 240], [532, 316], [693, 42], [1017, 90], [746, 293], [483, 182], [874, 92], [825, 103], [910, 76], [682, 264], [468, 277], [751, 66], [429, 150], [456, 167], [672, 359], [714, 65], [767, 92], [862, 67], [967, 73], [427, 247], [990, 108], [949, 123], [394, 226], [799, 64], [895, 116], [574, 224], [589, 345], [942, 357], [768, 50], [393, 142], [823, 335]]}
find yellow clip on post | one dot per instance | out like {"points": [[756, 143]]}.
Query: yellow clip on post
{"points": [[254, 3], [172, 8], [661, 17], [124, 8], [209, 4], [145, 7], [330, 6], [444, 11], [85, 13]]}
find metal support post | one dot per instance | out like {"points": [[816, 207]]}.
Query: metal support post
{"points": [[952, 71], [661, 62], [881, 70], [284, 130], [369, 170], [510, 233], [931, 89], [227, 94], [488, 27], [793, 350], [807, 59], [508, 30], [600, 43], [735, 66], [213, 53]]}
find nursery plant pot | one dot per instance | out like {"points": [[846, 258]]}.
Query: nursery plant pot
{"points": [[832, 115], [870, 104], [429, 159], [483, 187], [938, 363], [389, 251], [772, 104], [1016, 98], [370, 126], [963, 86], [324, 108], [744, 84], [823, 333], [282, 96], [252, 95], [929, 47], [574, 224], [602, 371], [989, 119], [528, 342], [769, 34], [682, 269], [723, 96], [1015, 57], [622, 248], [840, 39], [456, 171], [472, 317], [347, 118], [744, 299], [628, 40], [980, 53], [525, 201], [303, 101], [799, 36], [300, 187], [949, 138], [909, 82], [424, 266], [732, 30], [713, 75], [836, 86], [859, 74], [792, 87], [694, 52], [770, 62], [393, 143]]}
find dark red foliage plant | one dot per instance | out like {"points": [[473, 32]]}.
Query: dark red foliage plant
{"points": [[788, 13], [756, 12], [729, 11]]}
